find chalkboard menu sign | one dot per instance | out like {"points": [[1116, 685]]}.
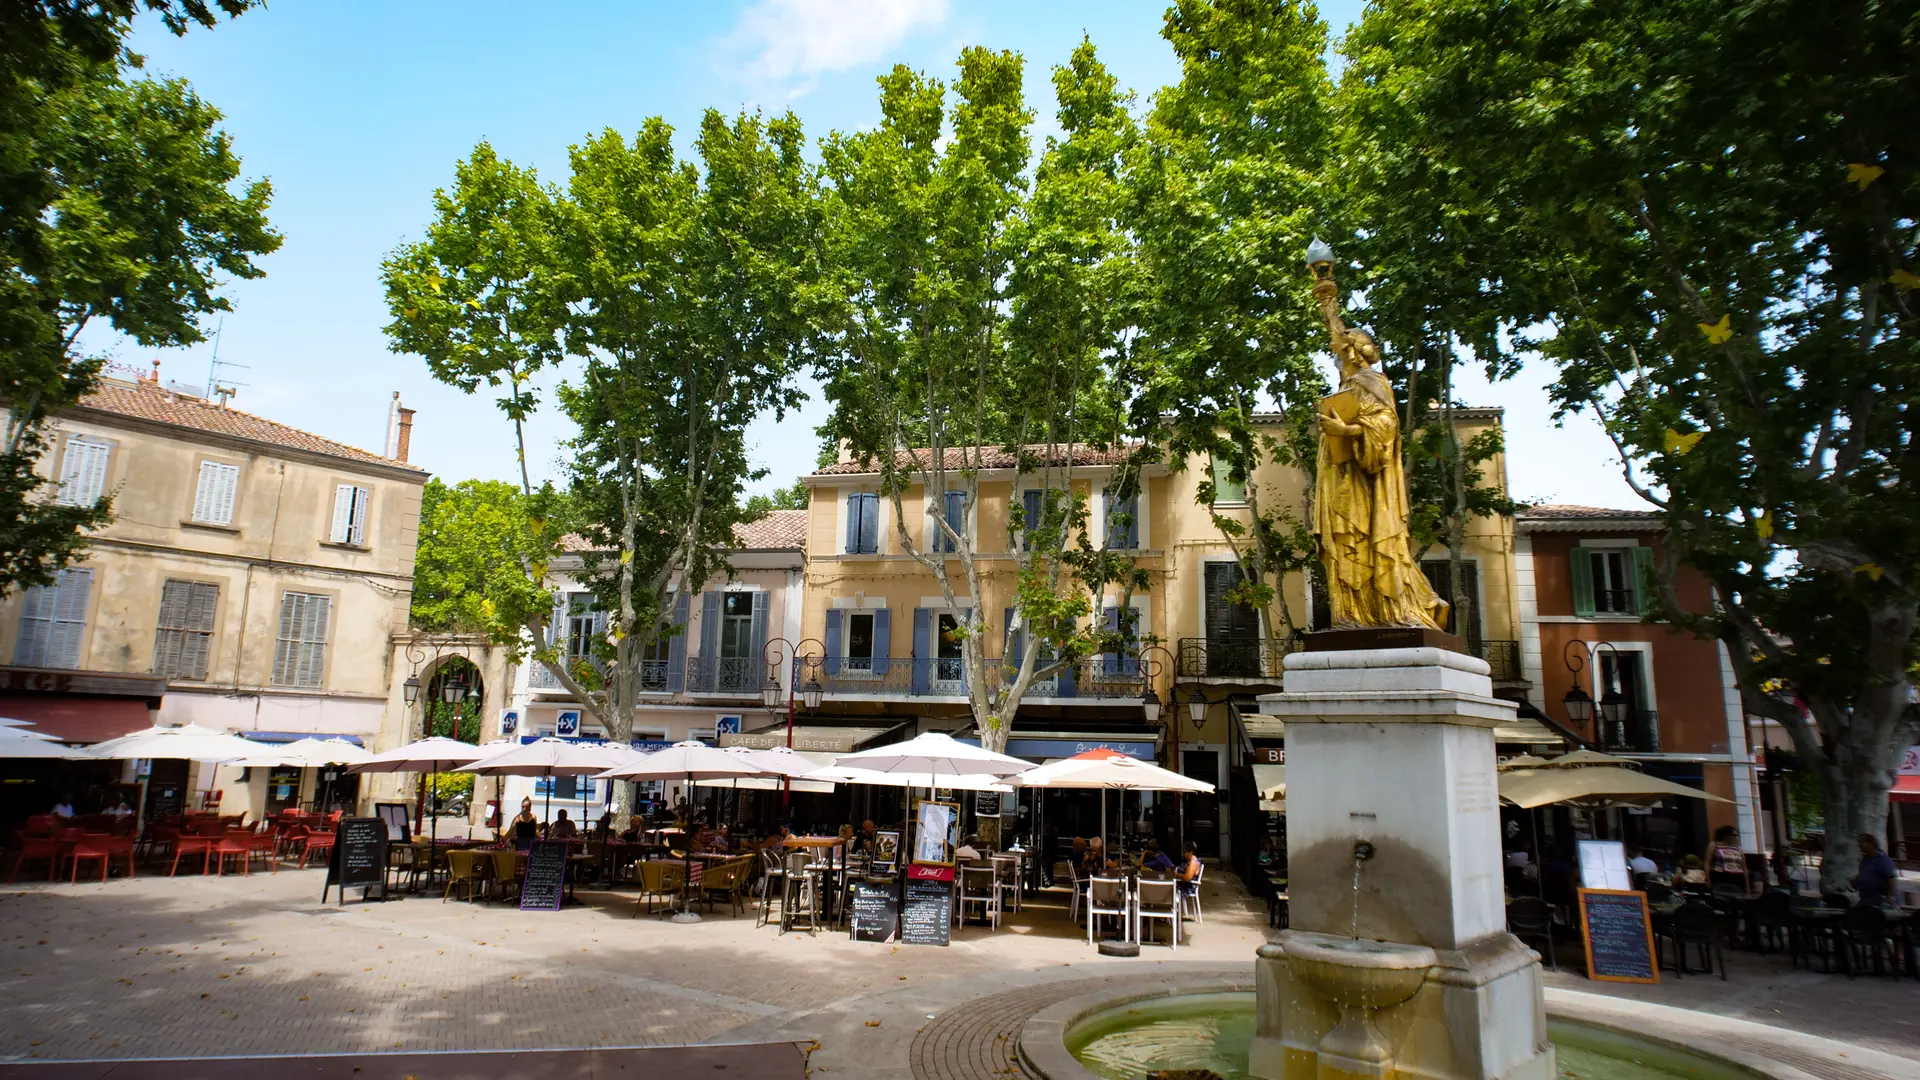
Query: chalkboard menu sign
{"points": [[359, 857], [876, 911], [986, 804], [546, 881], [1618, 935], [927, 918]]}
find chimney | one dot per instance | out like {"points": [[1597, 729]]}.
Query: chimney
{"points": [[405, 436]]}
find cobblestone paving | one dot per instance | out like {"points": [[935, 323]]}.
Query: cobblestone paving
{"points": [[191, 966], [982, 1038]]}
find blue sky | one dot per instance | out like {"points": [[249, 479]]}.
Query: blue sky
{"points": [[357, 111]]}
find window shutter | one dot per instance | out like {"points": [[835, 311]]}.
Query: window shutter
{"points": [[1643, 579], [36, 619], [1034, 501], [677, 646], [357, 532], [832, 659], [1580, 567], [1015, 645], [711, 604], [314, 635], [71, 593], [1123, 537], [342, 514], [853, 524], [954, 504], [923, 652], [83, 472], [758, 628], [870, 524], [1064, 684], [283, 653], [213, 496], [882, 640]]}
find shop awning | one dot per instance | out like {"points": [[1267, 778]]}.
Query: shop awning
{"points": [[78, 718], [1905, 789]]}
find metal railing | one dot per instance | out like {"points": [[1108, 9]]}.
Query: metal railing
{"points": [[1639, 733], [653, 676], [1502, 656], [930, 677], [1231, 658], [725, 675]]}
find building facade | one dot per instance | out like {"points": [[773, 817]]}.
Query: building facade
{"points": [[1583, 575], [256, 569]]}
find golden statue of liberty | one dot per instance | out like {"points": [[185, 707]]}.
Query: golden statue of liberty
{"points": [[1360, 496]]}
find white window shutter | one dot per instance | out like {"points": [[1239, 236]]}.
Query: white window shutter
{"points": [[36, 619], [83, 472], [358, 533], [213, 499], [343, 513], [69, 618], [314, 655]]}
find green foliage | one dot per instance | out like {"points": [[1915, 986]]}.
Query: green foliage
{"points": [[119, 203], [1703, 215], [476, 540], [794, 497], [1226, 189]]}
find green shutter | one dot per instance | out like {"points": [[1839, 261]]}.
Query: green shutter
{"points": [[1643, 579], [1580, 561]]}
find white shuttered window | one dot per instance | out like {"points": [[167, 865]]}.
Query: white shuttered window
{"points": [[300, 654], [53, 619], [83, 472], [350, 514], [213, 498], [184, 640]]}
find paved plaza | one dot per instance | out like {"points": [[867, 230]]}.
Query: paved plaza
{"points": [[195, 967]]}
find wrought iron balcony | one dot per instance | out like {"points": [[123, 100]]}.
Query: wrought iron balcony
{"points": [[926, 677], [1502, 656], [653, 676], [1639, 733], [726, 675], [1258, 659]]}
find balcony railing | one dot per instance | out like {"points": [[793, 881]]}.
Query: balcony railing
{"points": [[1639, 733], [1235, 658], [924, 677], [653, 677], [725, 675], [1503, 657]]}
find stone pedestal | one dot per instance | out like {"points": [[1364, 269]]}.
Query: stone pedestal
{"points": [[1391, 751]]}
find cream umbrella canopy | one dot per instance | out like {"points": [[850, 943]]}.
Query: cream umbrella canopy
{"points": [[309, 754], [1109, 770], [189, 742], [15, 743], [1594, 786], [550, 757], [688, 761], [433, 755]]}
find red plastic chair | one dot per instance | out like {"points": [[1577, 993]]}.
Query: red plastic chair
{"points": [[28, 846], [38, 825], [233, 845], [89, 846], [320, 843], [66, 838], [121, 844], [202, 846], [265, 845]]}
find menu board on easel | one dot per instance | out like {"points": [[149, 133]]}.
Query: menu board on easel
{"points": [[876, 911], [358, 859], [926, 915], [544, 886], [1618, 935], [934, 832]]}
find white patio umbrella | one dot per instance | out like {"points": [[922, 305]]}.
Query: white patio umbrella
{"points": [[934, 754], [689, 761], [1109, 770], [550, 757], [841, 774], [432, 756], [308, 753], [783, 767], [16, 743], [188, 742], [10, 722]]}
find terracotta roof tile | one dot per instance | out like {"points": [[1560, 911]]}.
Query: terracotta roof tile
{"points": [[146, 401], [1569, 511], [994, 458]]}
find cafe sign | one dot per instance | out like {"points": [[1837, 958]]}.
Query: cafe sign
{"points": [[1910, 762]]}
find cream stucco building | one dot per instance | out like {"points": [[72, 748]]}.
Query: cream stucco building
{"points": [[257, 569]]}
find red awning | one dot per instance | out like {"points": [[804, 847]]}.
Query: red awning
{"points": [[78, 718], [1906, 789]]}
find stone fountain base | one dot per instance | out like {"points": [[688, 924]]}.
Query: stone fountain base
{"points": [[1478, 1014], [1393, 835]]}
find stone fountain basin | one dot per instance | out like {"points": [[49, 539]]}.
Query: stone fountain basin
{"points": [[1357, 971]]}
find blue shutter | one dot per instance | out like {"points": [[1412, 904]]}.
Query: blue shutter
{"points": [[677, 646], [759, 631], [923, 651], [1123, 537], [955, 503], [869, 524], [1035, 502], [853, 523], [1068, 687], [709, 662], [882, 640], [1110, 622], [832, 660]]}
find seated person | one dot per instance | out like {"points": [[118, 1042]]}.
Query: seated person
{"points": [[563, 828], [1638, 863], [636, 826], [776, 840], [967, 851], [1187, 871], [1155, 860], [119, 808], [1095, 861], [64, 808], [864, 841], [721, 841]]}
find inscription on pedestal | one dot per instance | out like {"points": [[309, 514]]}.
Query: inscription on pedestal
{"points": [[1473, 792]]}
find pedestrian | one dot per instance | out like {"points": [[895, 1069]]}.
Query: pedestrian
{"points": [[1877, 874]]}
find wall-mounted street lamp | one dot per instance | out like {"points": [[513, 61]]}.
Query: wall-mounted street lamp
{"points": [[1579, 704]]}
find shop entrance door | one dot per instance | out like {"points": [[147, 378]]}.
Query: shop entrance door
{"points": [[1202, 810]]}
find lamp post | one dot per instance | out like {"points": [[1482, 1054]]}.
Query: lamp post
{"points": [[1613, 705], [810, 695]]}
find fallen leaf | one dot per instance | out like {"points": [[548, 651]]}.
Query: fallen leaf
{"points": [[873, 1023]]}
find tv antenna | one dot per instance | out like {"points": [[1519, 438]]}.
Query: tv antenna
{"points": [[214, 386]]}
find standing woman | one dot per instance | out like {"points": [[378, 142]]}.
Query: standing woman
{"points": [[526, 827]]}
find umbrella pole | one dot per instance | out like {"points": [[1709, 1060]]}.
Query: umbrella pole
{"points": [[686, 914]]}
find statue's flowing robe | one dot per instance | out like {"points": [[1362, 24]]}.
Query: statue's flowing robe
{"points": [[1360, 511]]}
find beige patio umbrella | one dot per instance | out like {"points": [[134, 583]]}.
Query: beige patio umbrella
{"points": [[688, 760], [15, 743], [1584, 758], [1523, 761], [1592, 787]]}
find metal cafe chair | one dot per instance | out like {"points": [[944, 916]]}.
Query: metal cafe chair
{"points": [[1107, 896], [1156, 900], [979, 885]]}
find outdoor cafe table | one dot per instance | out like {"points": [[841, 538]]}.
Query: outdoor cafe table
{"points": [[834, 863]]}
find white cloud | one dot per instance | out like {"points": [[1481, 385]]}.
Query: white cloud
{"points": [[794, 42]]}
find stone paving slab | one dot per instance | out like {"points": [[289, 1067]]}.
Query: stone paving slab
{"points": [[760, 1061]]}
